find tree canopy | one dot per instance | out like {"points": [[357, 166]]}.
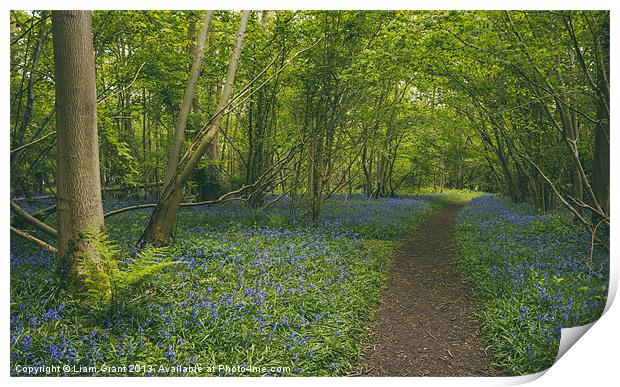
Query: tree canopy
{"points": [[327, 102]]}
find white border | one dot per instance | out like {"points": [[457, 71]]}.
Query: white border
{"points": [[593, 359]]}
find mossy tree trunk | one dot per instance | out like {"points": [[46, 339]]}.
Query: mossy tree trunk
{"points": [[79, 187]]}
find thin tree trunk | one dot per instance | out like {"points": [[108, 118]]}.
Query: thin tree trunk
{"points": [[190, 90], [162, 220], [31, 78], [601, 166]]}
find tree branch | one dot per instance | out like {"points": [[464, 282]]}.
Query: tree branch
{"points": [[19, 148], [33, 239], [33, 221]]}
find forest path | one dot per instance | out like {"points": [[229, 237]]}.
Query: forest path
{"points": [[424, 325]]}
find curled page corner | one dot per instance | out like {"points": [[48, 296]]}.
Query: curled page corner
{"points": [[569, 336], [613, 289], [522, 379]]}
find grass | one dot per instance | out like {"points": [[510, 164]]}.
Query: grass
{"points": [[531, 276], [265, 289], [253, 290]]}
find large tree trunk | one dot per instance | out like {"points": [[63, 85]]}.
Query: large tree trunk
{"points": [[601, 163], [159, 229], [601, 139], [79, 186]]}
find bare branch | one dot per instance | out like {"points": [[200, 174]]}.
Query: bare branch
{"points": [[124, 88], [19, 148], [33, 239], [33, 221]]}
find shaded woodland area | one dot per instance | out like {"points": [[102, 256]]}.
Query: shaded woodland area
{"points": [[174, 110]]}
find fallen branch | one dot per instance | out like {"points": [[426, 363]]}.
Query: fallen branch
{"points": [[130, 187], [44, 213], [221, 199], [153, 205], [33, 239], [33, 221], [130, 208]]}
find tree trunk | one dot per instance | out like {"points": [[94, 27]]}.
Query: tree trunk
{"points": [[570, 127], [78, 181], [601, 138], [30, 97], [159, 229], [600, 166], [190, 90]]}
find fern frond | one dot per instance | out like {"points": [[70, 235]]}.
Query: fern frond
{"points": [[147, 263], [104, 281]]}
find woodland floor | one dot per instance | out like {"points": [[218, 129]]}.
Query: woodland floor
{"points": [[424, 325]]}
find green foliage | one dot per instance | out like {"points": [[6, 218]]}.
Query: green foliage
{"points": [[382, 100], [108, 283], [97, 269], [299, 298], [531, 276], [277, 221]]}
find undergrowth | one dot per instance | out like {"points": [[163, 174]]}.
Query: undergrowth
{"points": [[532, 276], [243, 291]]}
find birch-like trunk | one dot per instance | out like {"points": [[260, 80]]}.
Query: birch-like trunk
{"points": [[161, 223]]}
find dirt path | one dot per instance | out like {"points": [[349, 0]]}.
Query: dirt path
{"points": [[424, 325]]}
